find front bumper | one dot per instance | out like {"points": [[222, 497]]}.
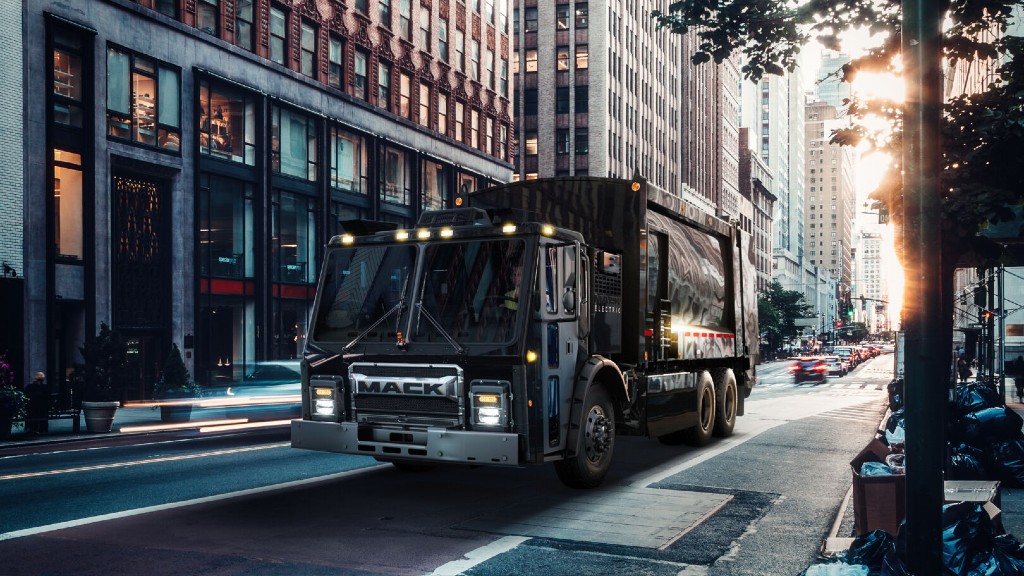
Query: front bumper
{"points": [[441, 445]]}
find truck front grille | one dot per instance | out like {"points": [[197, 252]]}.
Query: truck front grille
{"points": [[408, 394]]}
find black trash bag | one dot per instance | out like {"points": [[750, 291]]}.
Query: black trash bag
{"points": [[896, 419], [1002, 559], [954, 426], [977, 396], [895, 561], [896, 390], [966, 463], [966, 538], [870, 549], [992, 425], [1008, 462], [1009, 554]]}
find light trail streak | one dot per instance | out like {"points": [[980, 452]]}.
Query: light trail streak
{"points": [[143, 462]]}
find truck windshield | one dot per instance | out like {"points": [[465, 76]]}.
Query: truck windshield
{"points": [[472, 290], [361, 285]]}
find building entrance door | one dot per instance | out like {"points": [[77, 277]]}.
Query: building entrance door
{"points": [[141, 279]]}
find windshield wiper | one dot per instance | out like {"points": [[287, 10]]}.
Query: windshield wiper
{"points": [[458, 347], [401, 304]]}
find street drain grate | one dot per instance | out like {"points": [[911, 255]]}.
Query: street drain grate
{"points": [[625, 516]]}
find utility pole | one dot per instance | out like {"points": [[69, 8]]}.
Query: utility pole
{"points": [[926, 368]]}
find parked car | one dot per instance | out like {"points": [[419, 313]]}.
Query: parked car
{"points": [[809, 369], [836, 365]]}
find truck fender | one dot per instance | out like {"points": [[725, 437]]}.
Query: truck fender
{"points": [[597, 371]]}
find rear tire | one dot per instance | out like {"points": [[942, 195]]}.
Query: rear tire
{"points": [[726, 404], [700, 434], [595, 442]]}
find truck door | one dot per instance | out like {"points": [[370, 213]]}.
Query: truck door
{"points": [[559, 308]]}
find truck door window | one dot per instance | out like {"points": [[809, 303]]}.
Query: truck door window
{"points": [[550, 278]]}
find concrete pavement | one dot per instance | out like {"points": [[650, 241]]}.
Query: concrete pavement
{"points": [[137, 422]]}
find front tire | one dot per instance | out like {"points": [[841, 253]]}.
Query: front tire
{"points": [[726, 404], [700, 434], [595, 442]]}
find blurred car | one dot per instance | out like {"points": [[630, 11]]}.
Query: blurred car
{"points": [[836, 365], [271, 391], [809, 369]]}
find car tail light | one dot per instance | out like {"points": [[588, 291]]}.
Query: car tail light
{"points": [[821, 367], [794, 368]]}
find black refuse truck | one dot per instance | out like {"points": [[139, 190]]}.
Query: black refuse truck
{"points": [[534, 323]]}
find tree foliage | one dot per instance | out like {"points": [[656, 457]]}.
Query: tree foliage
{"points": [[983, 132], [777, 310]]}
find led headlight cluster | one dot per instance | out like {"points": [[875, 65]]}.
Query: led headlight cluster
{"points": [[489, 405], [325, 401]]}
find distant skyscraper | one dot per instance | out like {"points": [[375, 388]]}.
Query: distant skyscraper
{"points": [[831, 197], [709, 131], [773, 110], [829, 86], [596, 89]]}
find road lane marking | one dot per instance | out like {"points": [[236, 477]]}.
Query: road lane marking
{"points": [[184, 503], [479, 556], [141, 462]]}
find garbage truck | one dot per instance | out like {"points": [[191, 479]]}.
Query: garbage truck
{"points": [[535, 322]]}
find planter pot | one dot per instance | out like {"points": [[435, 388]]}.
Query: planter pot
{"points": [[99, 416], [175, 412]]}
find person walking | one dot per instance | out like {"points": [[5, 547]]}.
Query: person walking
{"points": [[38, 405], [962, 369]]}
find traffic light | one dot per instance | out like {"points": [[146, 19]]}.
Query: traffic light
{"points": [[839, 323], [849, 313]]}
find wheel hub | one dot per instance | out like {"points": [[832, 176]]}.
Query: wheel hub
{"points": [[598, 434]]}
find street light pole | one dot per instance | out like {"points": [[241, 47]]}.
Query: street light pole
{"points": [[927, 365]]}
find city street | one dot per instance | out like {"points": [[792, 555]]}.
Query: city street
{"points": [[250, 504]]}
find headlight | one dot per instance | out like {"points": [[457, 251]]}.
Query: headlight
{"points": [[324, 400], [489, 404]]}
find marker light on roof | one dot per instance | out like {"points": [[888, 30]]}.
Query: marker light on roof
{"points": [[447, 233], [423, 234], [508, 228], [547, 230], [347, 239], [402, 235]]}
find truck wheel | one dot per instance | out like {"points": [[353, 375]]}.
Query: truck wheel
{"points": [[726, 403], [595, 443], [700, 434]]}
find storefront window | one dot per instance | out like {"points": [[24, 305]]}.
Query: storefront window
{"points": [[226, 343], [227, 123], [67, 204], [348, 161], [225, 228], [397, 177], [143, 100], [67, 79], [293, 144], [436, 189], [293, 238]]}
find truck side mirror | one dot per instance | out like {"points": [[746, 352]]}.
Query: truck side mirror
{"points": [[569, 300]]}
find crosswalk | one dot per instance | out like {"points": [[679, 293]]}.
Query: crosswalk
{"points": [[866, 412], [833, 384]]}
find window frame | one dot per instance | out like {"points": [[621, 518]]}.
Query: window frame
{"points": [[169, 133]]}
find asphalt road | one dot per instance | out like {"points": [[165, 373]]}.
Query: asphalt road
{"points": [[253, 505]]}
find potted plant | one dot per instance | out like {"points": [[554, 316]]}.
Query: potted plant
{"points": [[176, 389], [12, 400], [103, 376]]}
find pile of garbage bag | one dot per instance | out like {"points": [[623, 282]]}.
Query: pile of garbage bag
{"points": [[970, 547], [986, 442]]}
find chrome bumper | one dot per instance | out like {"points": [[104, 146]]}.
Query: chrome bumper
{"points": [[441, 445]]}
